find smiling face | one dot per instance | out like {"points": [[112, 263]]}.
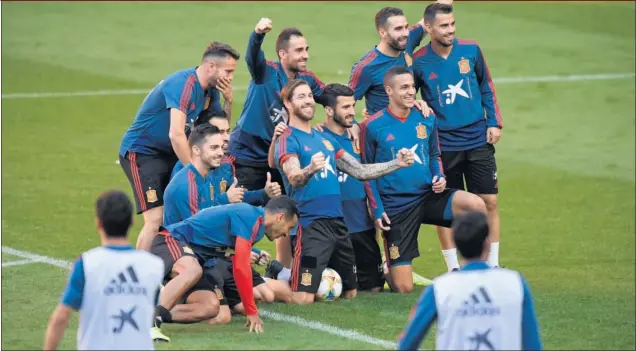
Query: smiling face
{"points": [[302, 104], [295, 54], [395, 32], [442, 30], [401, 90]]}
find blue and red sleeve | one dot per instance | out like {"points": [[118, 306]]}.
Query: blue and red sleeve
{"points": [[531, 340], [416, 34], [255, 58], [178, 94], [367, 155], [435, 160], [193, 195], [488, 94], [421, 319], [215, 100], [285, 148], [361, 79], [242, 270], [74, 291]]}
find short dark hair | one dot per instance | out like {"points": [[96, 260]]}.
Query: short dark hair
{"points": [[284, 204], [115, 212], [382, 16], [207, 115], [470, 231], [393, 72], [216, 50], [431, 11], [200, 132], [288, 90], [333, 91], [282, 41]]}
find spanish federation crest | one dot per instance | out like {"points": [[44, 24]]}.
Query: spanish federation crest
{"points": [[421, 131], [223, 186], [408, 59], [306, 279], [464, 66], [327, 144], [211, 192], [394, 252], [151, 195]]}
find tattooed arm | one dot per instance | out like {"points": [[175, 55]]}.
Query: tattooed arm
{"points": [[299, 177], [352, 167]]}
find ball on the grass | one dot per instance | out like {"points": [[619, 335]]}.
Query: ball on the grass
{"points": [[330, 286]]}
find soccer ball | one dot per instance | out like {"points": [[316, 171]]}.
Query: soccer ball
{"points": [[330, 286]]}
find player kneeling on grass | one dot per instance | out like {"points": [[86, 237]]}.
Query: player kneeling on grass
{"points": [[222, 238], [309, 160], [414, 195]]}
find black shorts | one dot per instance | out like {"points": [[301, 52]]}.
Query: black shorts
{"points": [[324, 243], [400, 242], [477, 167], [206, 283], [252, 177], [222, 275], [368, 259], [149, 176], [170, 250]]}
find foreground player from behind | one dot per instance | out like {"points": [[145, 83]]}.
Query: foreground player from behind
{"points": [[157, 137], [309, 160], [415, 195], [477, 308], [114, 287], [455, 81], [231, 230]]}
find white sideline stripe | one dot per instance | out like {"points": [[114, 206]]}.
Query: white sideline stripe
{"points": [[502, 80], [17, 263], [349, 334], [345, 333]]}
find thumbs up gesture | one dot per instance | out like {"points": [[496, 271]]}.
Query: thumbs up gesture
{"points": [[235, 193], [272, 189]]}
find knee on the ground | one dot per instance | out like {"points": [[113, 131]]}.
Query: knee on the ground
{"points": [[403, 287]]}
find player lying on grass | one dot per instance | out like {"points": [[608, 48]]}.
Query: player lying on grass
{"points": [[414, 195], [222, 238], [309, 160]]}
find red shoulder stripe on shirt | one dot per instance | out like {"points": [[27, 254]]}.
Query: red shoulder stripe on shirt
{"points": [[193, 193], [186, 94], [420, 52], [355, 77]]}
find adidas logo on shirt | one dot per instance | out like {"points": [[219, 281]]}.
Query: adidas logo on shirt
{"points": [[479, 304], [126, 283]]}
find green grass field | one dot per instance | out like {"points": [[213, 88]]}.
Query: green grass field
{"points": [[566, 158]]}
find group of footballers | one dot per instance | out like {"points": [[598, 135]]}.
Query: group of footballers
{"points": [[321, 192]]}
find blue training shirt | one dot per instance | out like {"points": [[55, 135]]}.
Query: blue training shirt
{"points": [[320, 197], [382, 136], [181, 90]]}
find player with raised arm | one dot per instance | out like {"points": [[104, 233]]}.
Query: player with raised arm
{"points": [[263, 108], [414, 195], [231, 230], [114, 287], [477, 308], [157, 137], [309, 160], [454, 79]]}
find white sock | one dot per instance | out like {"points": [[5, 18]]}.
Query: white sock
{"points": [[450, 256], [284, 275], [493, 256]]}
